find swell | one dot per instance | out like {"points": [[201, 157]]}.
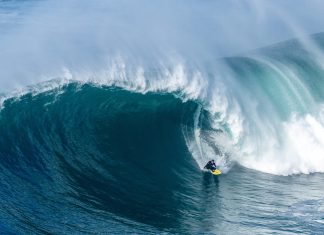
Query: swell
{"points": [[91, 148]]}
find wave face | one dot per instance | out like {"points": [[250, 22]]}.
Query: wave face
{"points": [[101, 146]]}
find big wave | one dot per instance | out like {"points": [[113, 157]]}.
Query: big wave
{"points": [[263, 110], [104, 142]]}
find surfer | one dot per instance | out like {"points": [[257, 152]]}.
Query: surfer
{"points": [[211, 165]]}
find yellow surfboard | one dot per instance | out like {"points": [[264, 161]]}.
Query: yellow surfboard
{"points": [[216, 172]]}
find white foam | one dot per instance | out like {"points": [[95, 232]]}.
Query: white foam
{"points": [[297, 146]]}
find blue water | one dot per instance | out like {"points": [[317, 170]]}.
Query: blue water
{"points": [[116, 146], [106, 160]]}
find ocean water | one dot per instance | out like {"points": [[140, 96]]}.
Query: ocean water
{"points": [[89, 159], [120, 148]]}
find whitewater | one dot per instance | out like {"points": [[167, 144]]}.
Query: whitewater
{"points": [[107, 118]]}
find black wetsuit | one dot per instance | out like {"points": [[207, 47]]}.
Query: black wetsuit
{"points": [[210, 166]]}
